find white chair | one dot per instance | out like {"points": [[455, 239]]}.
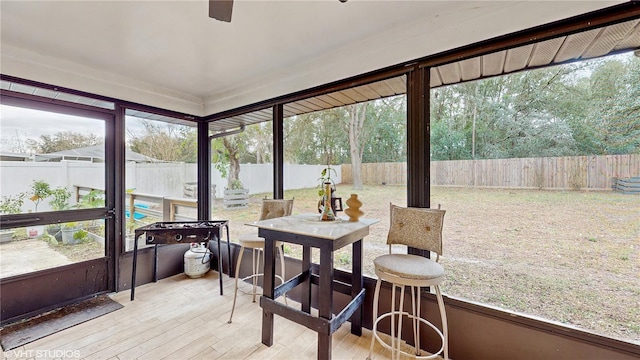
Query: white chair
{"points": [[271, 208], [420, 228]]}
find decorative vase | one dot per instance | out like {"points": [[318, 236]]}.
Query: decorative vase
{"points": [[353, 210], [327, 212]]}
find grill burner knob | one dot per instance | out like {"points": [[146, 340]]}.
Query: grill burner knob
{"points": [[178, 237], [150, 238]]}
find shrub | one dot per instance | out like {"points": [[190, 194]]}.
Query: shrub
{"points": [[12, 204], [40, 190], [60, 199], [80, 235]]}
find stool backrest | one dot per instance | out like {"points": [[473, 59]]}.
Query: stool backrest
{"points": [[420, 228], [274, 208]]}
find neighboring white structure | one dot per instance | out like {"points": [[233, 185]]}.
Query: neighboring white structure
{"points": [[165, 179], [93, 153]]}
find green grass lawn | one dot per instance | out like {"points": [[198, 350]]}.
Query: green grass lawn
{"points": [[568, 256]]}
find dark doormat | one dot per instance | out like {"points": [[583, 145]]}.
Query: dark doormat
{"points": [[26, 331]]}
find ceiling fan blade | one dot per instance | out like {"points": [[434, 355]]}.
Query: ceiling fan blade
{"points": [[221, 9]]}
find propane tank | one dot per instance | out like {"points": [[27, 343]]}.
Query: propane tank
{"points": [[197, 260]]}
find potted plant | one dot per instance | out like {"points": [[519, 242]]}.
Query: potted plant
{"points": [[327, 192], [69, 231], [80, 236], [60, 201], [236, 197], [10, 205], [40, 190], [325, 177]]}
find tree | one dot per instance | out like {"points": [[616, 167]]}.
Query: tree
{"points": [[448, 144], [259, 147], [591, 107], [599, 103], [167, 142], [63, 140], [40, 190], [317, 138], [234, 145], [615, 107], [357, 116], [299, 140], [501, 117], [16, 144], [385, 130], [254, 144]]}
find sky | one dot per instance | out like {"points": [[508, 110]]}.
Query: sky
{"points": [[19, 124]]}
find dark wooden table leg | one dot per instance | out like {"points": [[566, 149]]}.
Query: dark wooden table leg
{"points": [[325, 300], [306, 285], [268, 289], [356, 285]]}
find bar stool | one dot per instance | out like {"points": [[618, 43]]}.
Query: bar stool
{"points": [[420, 228], [271, 208]]}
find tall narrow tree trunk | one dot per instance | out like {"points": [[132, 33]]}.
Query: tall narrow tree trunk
{"points": [[234, 161], [473, 132], [234, 170], [357, 114]]}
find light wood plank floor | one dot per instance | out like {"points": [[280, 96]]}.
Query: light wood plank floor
{"points": [[183, 318]]}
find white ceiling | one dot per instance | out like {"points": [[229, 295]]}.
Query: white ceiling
{"points": [[170, 54]]}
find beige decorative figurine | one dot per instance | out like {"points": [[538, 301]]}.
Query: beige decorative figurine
{"points": [[353, 210]]}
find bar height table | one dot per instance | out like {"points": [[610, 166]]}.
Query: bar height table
{"points": [[307, 230]]}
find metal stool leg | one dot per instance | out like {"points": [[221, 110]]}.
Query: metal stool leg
{"points": [[393, 321], [376, 295], [400, 316], [443, 317], [235, 292], [256, 254], [415, 322]]}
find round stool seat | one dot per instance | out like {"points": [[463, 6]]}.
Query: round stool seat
{"points": [[409, 267], [253, 241]]}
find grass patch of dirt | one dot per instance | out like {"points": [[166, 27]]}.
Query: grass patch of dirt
{"points": [[85, 250], [567, 256]]}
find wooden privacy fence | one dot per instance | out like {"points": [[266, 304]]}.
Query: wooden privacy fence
{"points": [[564, 173]]}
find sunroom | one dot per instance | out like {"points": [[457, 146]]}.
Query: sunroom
{"points": [[122, 72]]}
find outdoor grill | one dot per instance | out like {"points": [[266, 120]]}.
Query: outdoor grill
{"points": [[179, 232]]}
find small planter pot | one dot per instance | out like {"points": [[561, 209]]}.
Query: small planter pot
{"points": [[67, 236], [55, 231], [236, 199], [6, 236]]}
